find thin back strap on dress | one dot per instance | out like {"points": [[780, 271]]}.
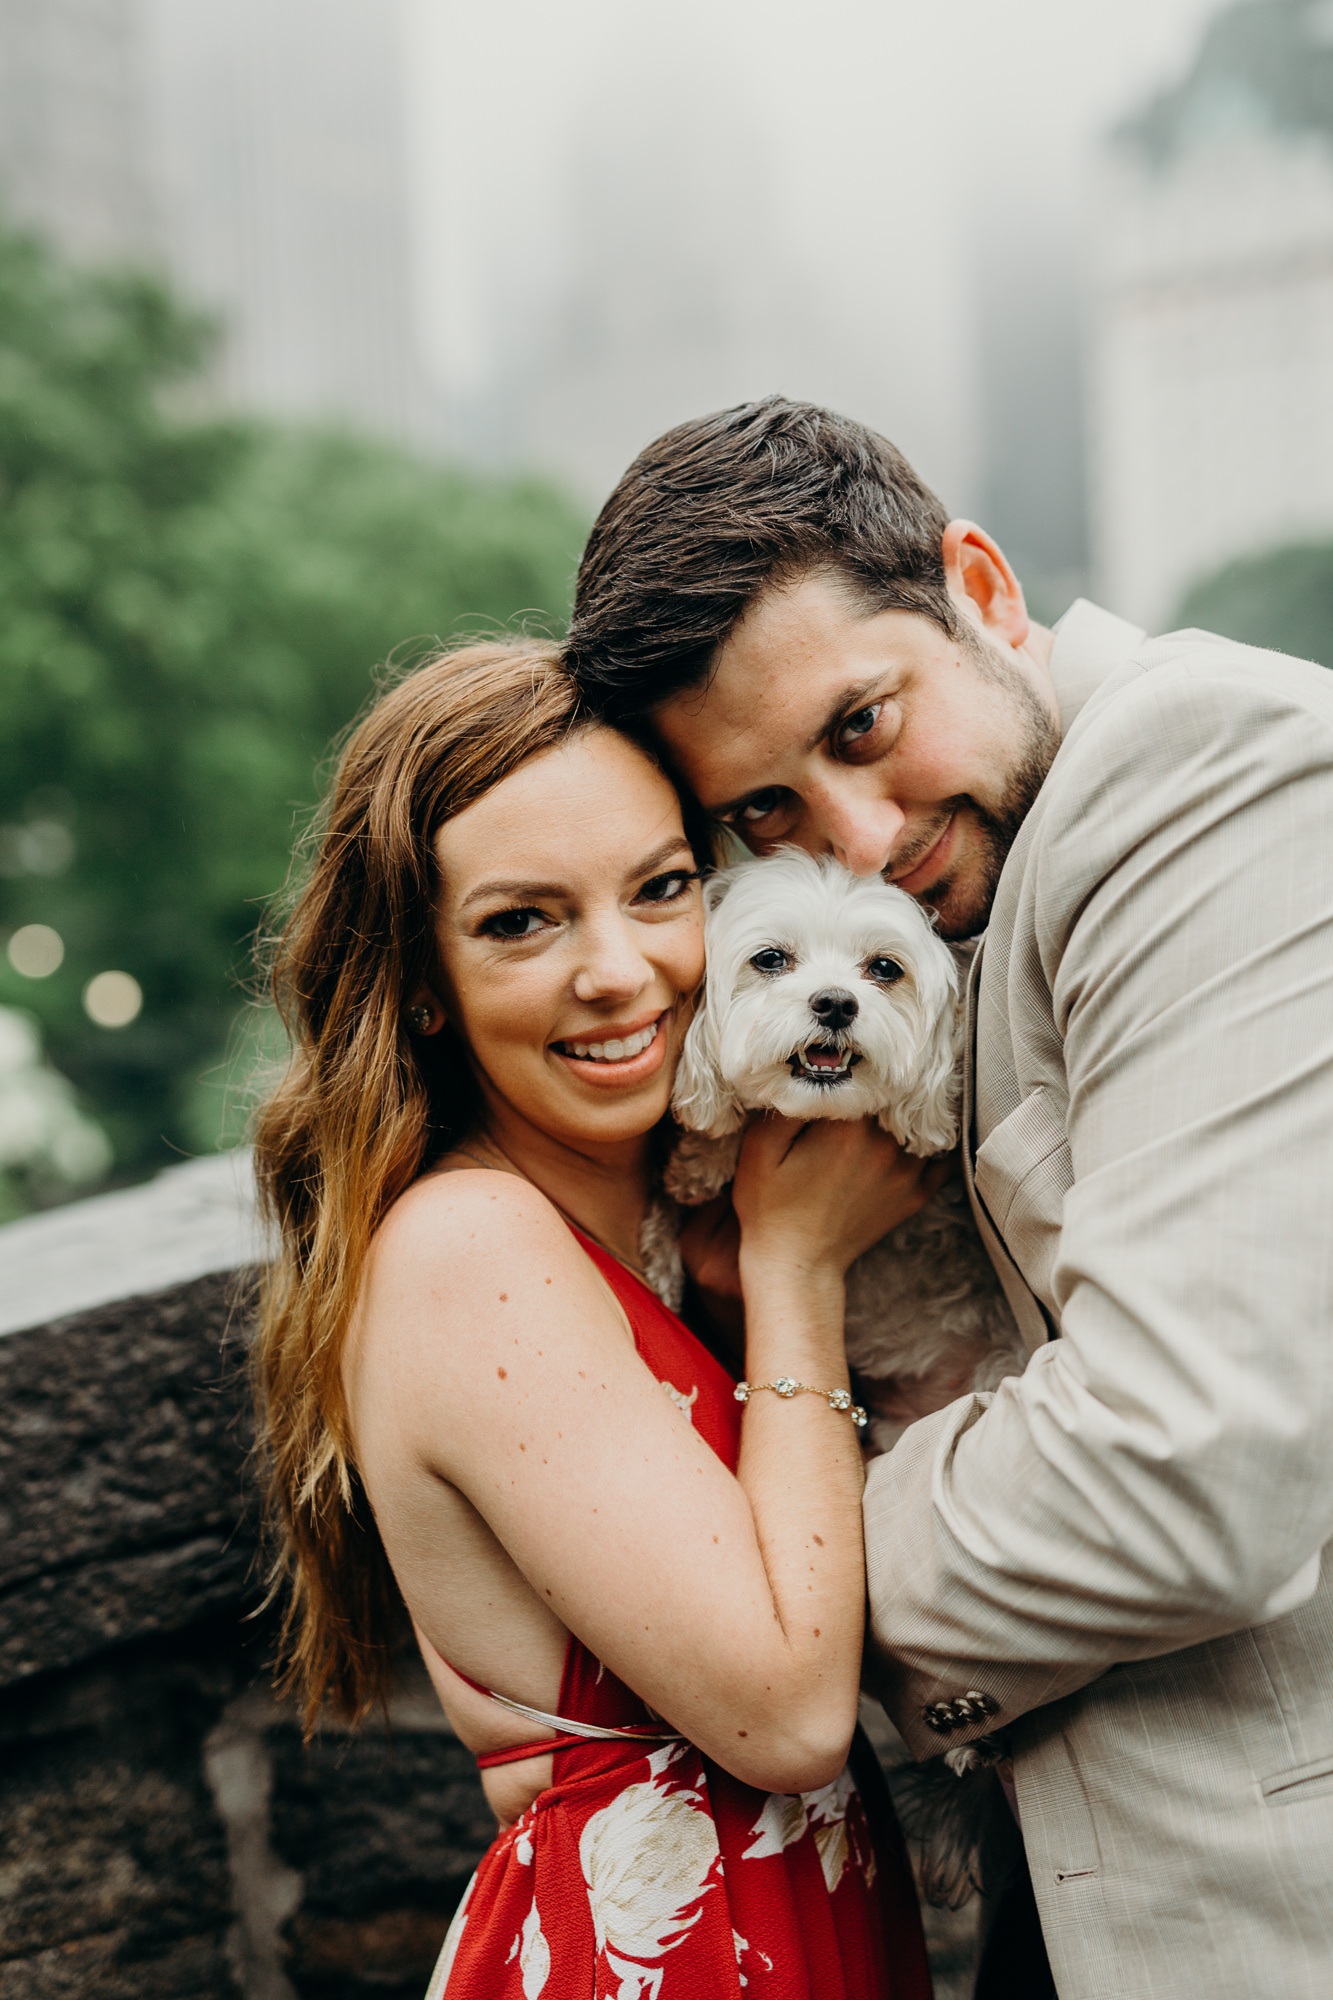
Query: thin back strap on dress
{"points": [[570, 1730]]}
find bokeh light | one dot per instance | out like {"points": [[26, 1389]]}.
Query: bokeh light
{"points": [[36, 951], [112, 999]]}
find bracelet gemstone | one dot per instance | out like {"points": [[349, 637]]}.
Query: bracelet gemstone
{"points": [[787, 1386]]}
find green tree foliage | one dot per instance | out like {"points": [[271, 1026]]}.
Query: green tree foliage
{"points": [[189, 611], [1282, 600]]}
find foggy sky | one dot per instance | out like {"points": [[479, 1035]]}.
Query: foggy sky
{"points": [[867, 172]]}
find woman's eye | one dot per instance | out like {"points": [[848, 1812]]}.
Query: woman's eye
{"points": [[770, 959], [853, 727], [514, 924], [885, 970], [667, 888]]}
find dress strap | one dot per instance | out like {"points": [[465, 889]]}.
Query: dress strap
{"points": [[593, 1732], [517, 1753], [570, 1731]]}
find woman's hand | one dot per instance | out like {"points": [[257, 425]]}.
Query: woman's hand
{"points": [[813, 1198]]}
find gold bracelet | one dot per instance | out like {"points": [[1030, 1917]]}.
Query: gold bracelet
{"points": [[785, 1386]]}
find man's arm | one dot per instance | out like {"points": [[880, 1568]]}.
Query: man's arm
{"points": [[1160, 1474]]}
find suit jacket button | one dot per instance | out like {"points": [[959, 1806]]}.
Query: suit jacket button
{"points": [[939, 1717], [984, 1704]]}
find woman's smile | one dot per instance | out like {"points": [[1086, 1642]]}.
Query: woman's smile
{"points": [[615, 1058]]}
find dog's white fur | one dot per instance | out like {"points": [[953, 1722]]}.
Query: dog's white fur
{"points": [[924, 1301]]}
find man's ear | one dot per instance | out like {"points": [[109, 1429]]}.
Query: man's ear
{"points": [[982, 584]]}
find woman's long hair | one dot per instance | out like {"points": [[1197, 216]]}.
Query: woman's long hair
{"points": [[362, 1107]]}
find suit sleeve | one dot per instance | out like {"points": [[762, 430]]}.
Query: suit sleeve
{"points": [[1160, 1474]]}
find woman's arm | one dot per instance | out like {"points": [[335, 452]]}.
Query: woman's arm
{"points": [[491, 1355]]}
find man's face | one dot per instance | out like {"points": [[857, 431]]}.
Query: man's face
{"points": [[875, 738]]}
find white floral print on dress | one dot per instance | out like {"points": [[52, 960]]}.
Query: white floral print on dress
{"points": [[534, 1958], [781, 1824], [788, 1816], [826, 1813], [685, 1404], [453, 1937], [646, 1858]]}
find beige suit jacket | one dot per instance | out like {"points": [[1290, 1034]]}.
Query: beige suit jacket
{"points": [[1122, 1549]]}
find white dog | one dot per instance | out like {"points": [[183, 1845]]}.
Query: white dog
{"points": [[831, 996]]}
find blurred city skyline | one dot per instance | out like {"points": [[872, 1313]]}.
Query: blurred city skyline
{"points": [[902, 188], [536, 238], [1079, 266]]}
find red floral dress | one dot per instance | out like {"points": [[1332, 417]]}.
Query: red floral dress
{"points": [[646, 1872]]}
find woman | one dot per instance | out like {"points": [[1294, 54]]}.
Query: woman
{"points": [[640, 1599]]}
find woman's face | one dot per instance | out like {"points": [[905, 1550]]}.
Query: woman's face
{"points": [[570, 932]]}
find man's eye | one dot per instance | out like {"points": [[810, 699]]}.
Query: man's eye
{"points": [[885, 970], [667, 888], [761, 806], [514, 924], [770, 959], [858, 724]]}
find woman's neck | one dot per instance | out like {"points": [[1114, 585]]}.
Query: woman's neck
{"points": [[605, 1190]]}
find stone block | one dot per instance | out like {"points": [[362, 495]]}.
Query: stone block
{"points": [[385, 1828], [114, 1879], [123, 1432]]}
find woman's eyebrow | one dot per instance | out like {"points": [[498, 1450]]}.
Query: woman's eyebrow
{"points": [[678, 844], [485, 890]]}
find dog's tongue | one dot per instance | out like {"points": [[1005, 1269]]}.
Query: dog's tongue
{"points": [[824, 1058]]}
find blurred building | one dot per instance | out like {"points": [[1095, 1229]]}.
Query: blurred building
{"points": [[254, 149], [655, 238], [1211, 312], [1033, 487], [665, 300], [73, 105], [278, 147]]}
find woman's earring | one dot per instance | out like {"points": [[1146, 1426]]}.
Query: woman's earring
{"points": [[419, 1018]]}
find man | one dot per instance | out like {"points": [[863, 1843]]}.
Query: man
{"points": [[1116, 1560]]}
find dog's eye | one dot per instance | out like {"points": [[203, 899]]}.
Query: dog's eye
{"points": [[885, 970], [770, 959]]}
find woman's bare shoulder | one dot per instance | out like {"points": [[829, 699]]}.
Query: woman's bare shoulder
{"points": [[461, 1234], [474, 1282], [456, 1199]]}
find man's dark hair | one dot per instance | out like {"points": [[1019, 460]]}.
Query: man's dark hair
{"points": [[721, 509]]}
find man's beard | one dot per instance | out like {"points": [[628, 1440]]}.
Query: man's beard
{"points": [[964, 909]]}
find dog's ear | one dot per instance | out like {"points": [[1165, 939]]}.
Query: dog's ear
{"points": [[716, 887], [925, 1118], [702, 1100]]}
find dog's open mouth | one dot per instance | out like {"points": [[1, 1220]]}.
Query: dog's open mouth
{"points": [[823, 1063]]}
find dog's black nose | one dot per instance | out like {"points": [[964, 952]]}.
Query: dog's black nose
{"points": [[834, 1008]]}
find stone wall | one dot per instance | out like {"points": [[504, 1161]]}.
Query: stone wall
{"points": [[164, 1832]]}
